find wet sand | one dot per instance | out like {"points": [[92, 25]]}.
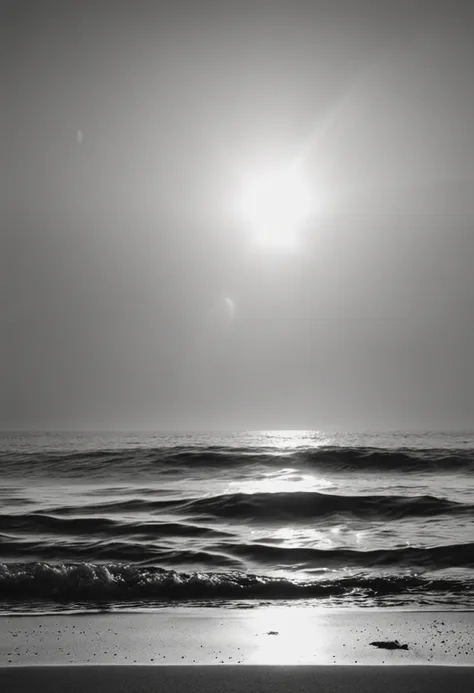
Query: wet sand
{"points": [[235, 679]]}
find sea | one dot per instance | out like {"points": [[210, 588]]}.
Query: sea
{"points": [[134, 521]]}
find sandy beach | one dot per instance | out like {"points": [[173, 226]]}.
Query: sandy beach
{"points": [[251, 636]]}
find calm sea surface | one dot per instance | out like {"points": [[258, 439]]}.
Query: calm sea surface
{"points": [[139, 520]]}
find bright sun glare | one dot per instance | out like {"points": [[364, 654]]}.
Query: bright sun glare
{"points": [[274, 207]]}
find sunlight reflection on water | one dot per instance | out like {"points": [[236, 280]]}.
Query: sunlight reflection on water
{"points": [[290, 440], [284, 480]]}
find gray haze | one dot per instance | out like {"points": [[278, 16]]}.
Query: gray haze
{"points": [[132, 296]]}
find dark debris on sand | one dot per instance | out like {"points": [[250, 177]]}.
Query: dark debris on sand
{"points": [[389, 645]]}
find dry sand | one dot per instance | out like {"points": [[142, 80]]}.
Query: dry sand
{"points": [[262, 635], [107, 653]]}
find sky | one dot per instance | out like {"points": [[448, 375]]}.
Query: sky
{"points": [[134, 293]]}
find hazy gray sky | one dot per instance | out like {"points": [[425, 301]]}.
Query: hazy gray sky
{"points": [[133, 295]]}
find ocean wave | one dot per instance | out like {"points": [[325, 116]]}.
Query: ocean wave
{"points": [[149, 461], [140, 553], [117, 506], [427, 558], [72, 582], [305, 505], [271, 507], [38, 523], [236, 555]]}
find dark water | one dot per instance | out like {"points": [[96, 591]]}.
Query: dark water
{"points": [[119, 521]]}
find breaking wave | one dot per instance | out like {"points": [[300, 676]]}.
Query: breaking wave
{"points": [[72, 582]]}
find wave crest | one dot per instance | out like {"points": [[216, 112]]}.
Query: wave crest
{"points": [[65, 582], [331, 459], [312, 505]]}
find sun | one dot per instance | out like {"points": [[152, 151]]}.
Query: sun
{"points": [[274, 207]]}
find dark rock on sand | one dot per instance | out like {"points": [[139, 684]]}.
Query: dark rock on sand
{"points": [[389, 645]]}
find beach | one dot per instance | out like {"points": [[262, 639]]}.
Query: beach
{"points": [[237, 424], [276, 649], [237, 563], [247, 636]]}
